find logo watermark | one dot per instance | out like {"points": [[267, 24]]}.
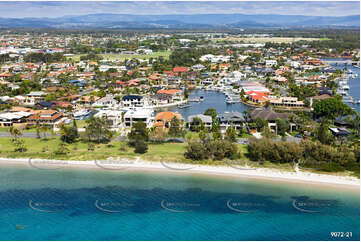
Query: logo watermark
{"points": [[113, 206], [306, 205], [243, 206], [179, 207], [115, 164], [46, 164], [176, 166], [47, 206], [238, 166]]}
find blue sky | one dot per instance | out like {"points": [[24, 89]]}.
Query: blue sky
{"points": [[58, 9]]}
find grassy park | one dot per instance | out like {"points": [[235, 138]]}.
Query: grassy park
{"points": [[46, 149]]}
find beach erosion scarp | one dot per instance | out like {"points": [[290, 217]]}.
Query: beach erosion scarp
{"points": [[124, 165]]}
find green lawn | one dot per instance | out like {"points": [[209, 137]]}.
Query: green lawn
{"points": [[173, 152], [41, 148], [121, 57]]}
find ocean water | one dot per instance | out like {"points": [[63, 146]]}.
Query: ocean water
{"points": [[67, 204]]}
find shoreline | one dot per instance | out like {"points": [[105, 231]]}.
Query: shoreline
{"points": [[230, 171]]}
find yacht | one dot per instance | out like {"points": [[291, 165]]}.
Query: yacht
{"points": [[341, 92], [345, 87], [81, 114]]}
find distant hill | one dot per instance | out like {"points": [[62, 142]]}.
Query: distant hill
{"points": [[121, 21]]}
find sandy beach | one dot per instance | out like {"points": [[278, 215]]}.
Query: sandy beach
{"points": [[124, 165]]}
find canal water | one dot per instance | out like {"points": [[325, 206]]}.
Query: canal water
{"points": [[354, 83], [212, 99], [217, 100]]}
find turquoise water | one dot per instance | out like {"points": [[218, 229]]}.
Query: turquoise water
{"points": [[125, 205]]}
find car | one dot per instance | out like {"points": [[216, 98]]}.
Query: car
{"points": [[298, 136]]}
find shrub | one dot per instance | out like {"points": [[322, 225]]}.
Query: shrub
{"points": [[141, 147]]}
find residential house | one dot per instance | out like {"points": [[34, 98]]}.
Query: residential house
{"points": [[231, 119], [175, 93], [115, 118], [133, 116], [286, 102], [206, 120], [163, 119], [161, 98], [107, 101], [34, 97], [8, 119], [46, 117], [133, 101], [270, 63], [271, 116]]}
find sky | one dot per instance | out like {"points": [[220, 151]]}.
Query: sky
{"points": [[62, 8]]}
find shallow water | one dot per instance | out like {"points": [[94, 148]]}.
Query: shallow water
{"points": [[69, 204]]}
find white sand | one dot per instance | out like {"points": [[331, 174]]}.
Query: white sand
{"points": [[231, 170]]}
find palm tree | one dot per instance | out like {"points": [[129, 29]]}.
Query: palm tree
{"points": [[44, 129], [15, 132]]}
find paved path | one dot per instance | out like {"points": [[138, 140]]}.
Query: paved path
{"points": [[25, 135]]}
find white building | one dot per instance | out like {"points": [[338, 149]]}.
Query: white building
{"points": [[115, 118], [270, 63], [107, 101], [133, 101], [133, 116]]}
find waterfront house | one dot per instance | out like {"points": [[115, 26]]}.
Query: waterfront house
{"points": [[107, 101], [286, 102], [133, 101], [206, 120], [114, 117], [163, 119], [175, 93], [133, 116], [161, 99], [235, 120], [257, 96], [270, 116]]}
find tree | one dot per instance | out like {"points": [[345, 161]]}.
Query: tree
{"points": [[176, 128], [260, 123], [157, 135], [62, 149], [186, 93], [231, 134], [15, 132], [195, 151], [37, 127], [98, 129], [69, 134], [44, 129], [196, 124], [282, 126], [330, 108], [18, 143], [322, 133], [139, 132], [211, 112], [141, 147]]}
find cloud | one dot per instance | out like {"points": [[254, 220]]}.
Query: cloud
{"points": [[59, 9]]}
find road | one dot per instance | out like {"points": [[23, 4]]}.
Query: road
{"points": [[25, 135]]}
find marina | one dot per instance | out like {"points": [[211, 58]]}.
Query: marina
{"points": [[349, 85]]}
